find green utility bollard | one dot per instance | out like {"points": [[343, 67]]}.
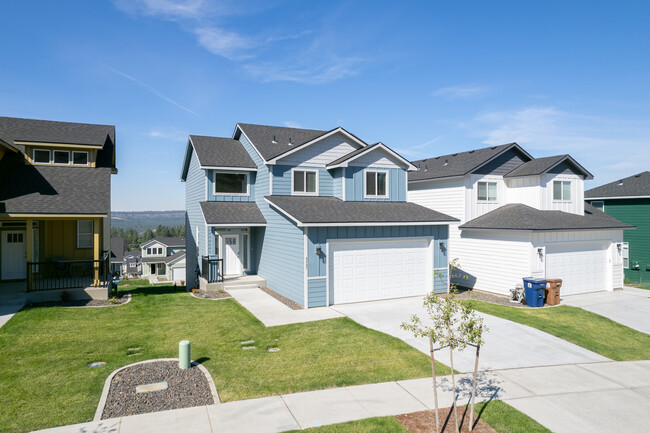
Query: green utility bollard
{"points": [[184, 354]]}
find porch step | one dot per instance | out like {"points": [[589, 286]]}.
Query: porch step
{"points": [[240, 286]]}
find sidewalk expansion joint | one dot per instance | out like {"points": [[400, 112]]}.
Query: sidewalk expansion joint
{"points": [[292, 415]]}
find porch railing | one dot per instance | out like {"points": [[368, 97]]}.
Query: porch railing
{"points": [[212, 269], [68, 274]]}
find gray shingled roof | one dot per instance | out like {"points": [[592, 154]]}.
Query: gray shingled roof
{"points": [[232, 212], [521, 217], [221, 152], [539, 166], [117, 250], [167, 241], [174, 257], [456, 164], [28, 188], [633, 186], [331, 210], [12, 128], [352, 154], [262, 138]]}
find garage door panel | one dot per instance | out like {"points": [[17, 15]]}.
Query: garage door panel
{"points": [[582, 267], [379, 270]]}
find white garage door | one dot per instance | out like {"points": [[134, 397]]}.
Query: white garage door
{"points": [[370, 270], [178, 274], [582, 267]]}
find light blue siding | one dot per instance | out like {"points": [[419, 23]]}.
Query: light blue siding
{"points": [[251, 189], [194, 194], [337, 182], [282, 180], [354, 184], [440, 282], [317, 291], [281, 255]]}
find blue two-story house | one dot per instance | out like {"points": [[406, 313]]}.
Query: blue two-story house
{"points": [[320, 215]]}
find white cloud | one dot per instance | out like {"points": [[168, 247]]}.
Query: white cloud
{"points": [[292, 124], [230, 45], [174, 9], [326, 70], [170, 134], [460, 92]]}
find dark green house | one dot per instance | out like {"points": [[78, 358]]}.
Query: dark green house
{"points": [[628, 200]]}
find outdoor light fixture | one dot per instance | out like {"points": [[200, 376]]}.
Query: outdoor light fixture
{"points": [[442, 245], [619, 246], [540, 251], [318, 251]]}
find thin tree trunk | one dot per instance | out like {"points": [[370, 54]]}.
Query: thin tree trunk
{"points": [[453, 380], [471, 410], [435, 386]]}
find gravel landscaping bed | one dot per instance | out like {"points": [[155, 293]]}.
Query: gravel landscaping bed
{"points": [[203, 294], [288, 302], [186, 388], [82, 303]]}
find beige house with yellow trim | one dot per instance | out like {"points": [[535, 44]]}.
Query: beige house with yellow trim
{"points": [[55, 201]]}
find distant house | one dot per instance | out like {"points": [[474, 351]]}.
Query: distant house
{"points": [[132, 265], [117, 255], [628, 200], [318, 216], [55, 203], [164, 258], [520, 216]]}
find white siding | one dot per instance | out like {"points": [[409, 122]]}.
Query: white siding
{"points": [[446, 196], [321, 153], [524, 190], [376, 158], [577, 203], [477, 208]]}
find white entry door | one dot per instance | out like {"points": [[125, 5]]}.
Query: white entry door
{"points": [[582, 267], [367, 271], [13, 255], [232, 265]]}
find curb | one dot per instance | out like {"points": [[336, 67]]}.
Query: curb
{"points": [[109, 379]]}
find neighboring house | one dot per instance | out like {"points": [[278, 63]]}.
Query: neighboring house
{"points": [[321, 216], [164, 258], [117, 255], [132, 265], [55, 201], [519, 217], [628, 200]]}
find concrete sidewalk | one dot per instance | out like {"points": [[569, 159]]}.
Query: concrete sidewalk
{"points": [[10, 305], [272, 312], [629, 307], [608, 396]]}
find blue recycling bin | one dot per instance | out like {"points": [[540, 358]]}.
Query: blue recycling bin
{"points": [[534, 288]]}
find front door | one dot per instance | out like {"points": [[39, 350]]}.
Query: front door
{"points": [[14, 265], [232, 259]]}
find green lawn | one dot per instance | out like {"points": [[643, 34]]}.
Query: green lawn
{"points": [[501, 416], [44, 381], [584, 328]]}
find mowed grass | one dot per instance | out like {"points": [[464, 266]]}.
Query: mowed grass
{"points": [[499, 415], [583, 328], [44, 352]]}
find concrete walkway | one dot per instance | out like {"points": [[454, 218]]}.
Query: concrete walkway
{"points": [[629, 307], [508, 344], [10, 304], [272, 312], [609, 396]]}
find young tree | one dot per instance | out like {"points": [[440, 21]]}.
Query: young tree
{"points": [[454, 324]]}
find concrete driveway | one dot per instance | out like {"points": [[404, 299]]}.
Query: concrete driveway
{"points": [[630, 306], [508, 344]]}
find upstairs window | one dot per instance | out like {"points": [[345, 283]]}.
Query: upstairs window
{"points": [[600, 205], [61, 157], [305, 182], [84, 234], [561, 190], [487, 191], [230, 183], [376, 183], [80, 158], [42, 156]]}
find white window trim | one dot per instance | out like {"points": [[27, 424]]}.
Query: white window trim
{"points": [[365, 181], [49, 158], [54, 152], [562, 200], [239, 194], [305, 170], [487, 191], [598, 201], [626, 247], [80, 165], [92, 233]]}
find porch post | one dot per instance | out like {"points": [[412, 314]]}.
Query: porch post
{"points": [[96, 247], [29, 240]]}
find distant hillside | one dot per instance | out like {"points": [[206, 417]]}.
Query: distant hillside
{"points": [[141, 221]]}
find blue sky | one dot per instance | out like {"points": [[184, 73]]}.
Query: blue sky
{"points": [[426, 78]]}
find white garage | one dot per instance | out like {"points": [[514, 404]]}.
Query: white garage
{"points": [[583, 267], [372, 270]]}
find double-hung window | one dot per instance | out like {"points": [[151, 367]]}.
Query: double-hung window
{"points": [[376, 184], [305, 182], [84, 234], [626, 255], [226, 183], [561, 190], [487, 191]]}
